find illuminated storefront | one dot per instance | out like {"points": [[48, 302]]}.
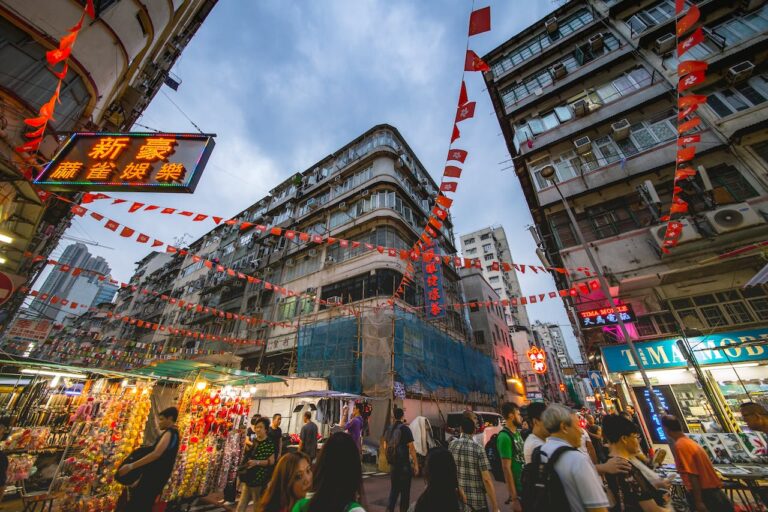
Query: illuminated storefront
{"points": [[734, 367]]}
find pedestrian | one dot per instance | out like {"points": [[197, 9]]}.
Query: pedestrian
{"points": [[755, 416], [645, 448], [256, 468], [308, 436], [582, 485], [442, 492], [702, 485], [290, 481], [250, 433], [403, 461], [158, 464], [338, 478], [473, 468], [354, 427], [596, 437], [5, 430], [276, 434], [509, 443], [632, 492], [539, 432]]}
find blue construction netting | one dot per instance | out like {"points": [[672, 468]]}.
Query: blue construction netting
{"points": [[328, 349], [428, 358]]}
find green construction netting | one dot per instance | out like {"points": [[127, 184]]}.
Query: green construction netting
{"points": [[221, 375], [329, 349]]}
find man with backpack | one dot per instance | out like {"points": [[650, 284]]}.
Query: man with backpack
{"points": [[559, 476], [509, 444], [473, 469], [400, 451]]}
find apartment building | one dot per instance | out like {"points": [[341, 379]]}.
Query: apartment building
{"points": [[591, 91], [550, 337], [120, 61]]}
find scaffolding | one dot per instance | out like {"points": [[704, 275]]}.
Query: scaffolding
{"points": [[330, 349]]}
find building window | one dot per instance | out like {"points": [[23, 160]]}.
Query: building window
{"points": [[471, 251], [493, 279], [729, 185], [761, 149], [489, 268], [385, 236], [488, 257], [652, 16], [742, 26], [486, 236], [383, 283], [740, 97], [469, 241], [732, 307], [479, 337], [487, 247]]}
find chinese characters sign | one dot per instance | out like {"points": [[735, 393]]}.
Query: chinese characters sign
{"points": [[606, 316], [538, 359], [146, 162], [433, 288]]}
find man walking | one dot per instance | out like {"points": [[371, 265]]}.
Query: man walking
{"points": [[276, 435], [539, 433], [509, 444], [308, 437], [400, 452], [473, 468], [581, 483], [702, 485]]}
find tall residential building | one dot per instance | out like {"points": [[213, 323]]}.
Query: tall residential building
{"points": [[591, 90], [119, 62], [83, 289], [489, 244], [552, 336]]}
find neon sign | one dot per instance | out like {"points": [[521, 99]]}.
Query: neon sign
{"points": [[606, 316], [434, 299], [128, 162], [538, 359]]}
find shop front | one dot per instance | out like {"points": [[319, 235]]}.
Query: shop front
{"points": [[726, 369]]}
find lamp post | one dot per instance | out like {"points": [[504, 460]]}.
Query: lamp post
{"points": [[548, 173]]}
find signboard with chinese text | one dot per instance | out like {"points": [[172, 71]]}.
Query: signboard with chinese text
{"points": [[581, 369], [606, 316], [721, 348], [128, 162], [29, 330], [434, 299]]}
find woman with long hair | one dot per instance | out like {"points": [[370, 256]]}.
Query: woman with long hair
{"points": [[290, 482], [338, 478], [443, 492]]}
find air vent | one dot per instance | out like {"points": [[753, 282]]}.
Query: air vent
{"points": [[664, 44], [551, 25], [740, 72], [583, 145], [734, 217], [558, 70], [580, 108], [596, 42], [620, 129]]}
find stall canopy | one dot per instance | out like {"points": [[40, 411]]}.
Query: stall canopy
{"points": [[219, 375], [53, 368], [324, 393]]}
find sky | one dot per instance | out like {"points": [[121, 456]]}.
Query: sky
{"points": [[283, 85]]}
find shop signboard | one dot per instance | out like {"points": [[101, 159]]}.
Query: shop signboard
{"points": [[601, 317], [722, 348], [434, 298], [652, 420], [128, 162], [581, 369], [29, 330]]}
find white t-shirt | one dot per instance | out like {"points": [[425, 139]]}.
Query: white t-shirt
{"points": [[583, 486], [531, 443]]}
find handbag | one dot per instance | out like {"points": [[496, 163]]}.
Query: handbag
{"points": [[131, 477]]}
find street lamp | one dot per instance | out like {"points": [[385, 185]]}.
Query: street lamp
{"points": [[548, 173]]}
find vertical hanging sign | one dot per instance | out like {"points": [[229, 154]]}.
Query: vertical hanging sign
{"points": [[432, 268]]}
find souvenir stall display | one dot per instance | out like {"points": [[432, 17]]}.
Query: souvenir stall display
{"points": [[212, 422]]}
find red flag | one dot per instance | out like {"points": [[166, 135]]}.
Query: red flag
{"points": [[688, 125], [480, 21], [57, 55], [111, 225], [691, 100], [687, 22], [691, 66], [452, 171], [36, 121], [199, 217], [689, 42], [157, 243], [439, 213], [688, 139], [444, 201], [78, 210], [457, 154], [474, 63], [217, 220], [455, 135], [448, 186], [126, 232], [683, 174], [142, 238], [679, 4], [168, 211], [32, 145], [97, 216], [691, 80], [135, 207], [463, 98], [679, 207], [89, 9], [465, 112], [685, 154]]}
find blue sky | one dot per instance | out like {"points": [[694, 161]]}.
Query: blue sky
{"points": [[285, 84]]}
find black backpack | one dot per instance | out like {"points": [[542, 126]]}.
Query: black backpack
{"points": [[494, 457], [393, 442], [542, 489]]}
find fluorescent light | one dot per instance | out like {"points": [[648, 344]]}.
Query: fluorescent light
{"points": [[53, 374], [6, 239], [2, 260]]}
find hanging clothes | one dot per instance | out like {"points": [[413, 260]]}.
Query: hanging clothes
{"points": [[422, 435]]}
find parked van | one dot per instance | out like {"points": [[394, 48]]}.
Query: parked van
{"points": [[489, 423]]}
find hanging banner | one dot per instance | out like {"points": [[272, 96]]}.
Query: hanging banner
{"points": [[128, 162], [434, 297]]}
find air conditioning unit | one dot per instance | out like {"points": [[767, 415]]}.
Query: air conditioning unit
{"points": [[551, 25], [343, 205], [580, 108], [664, 44], [558, 70], [330, 260], [312, 253], [620, 129], [734, 217], [583, 145], [689, 233], [740, 72], [596, 42], [289, 262], [750, 5]]}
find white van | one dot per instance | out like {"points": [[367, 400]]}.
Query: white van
{"points": [[490, 423]]}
